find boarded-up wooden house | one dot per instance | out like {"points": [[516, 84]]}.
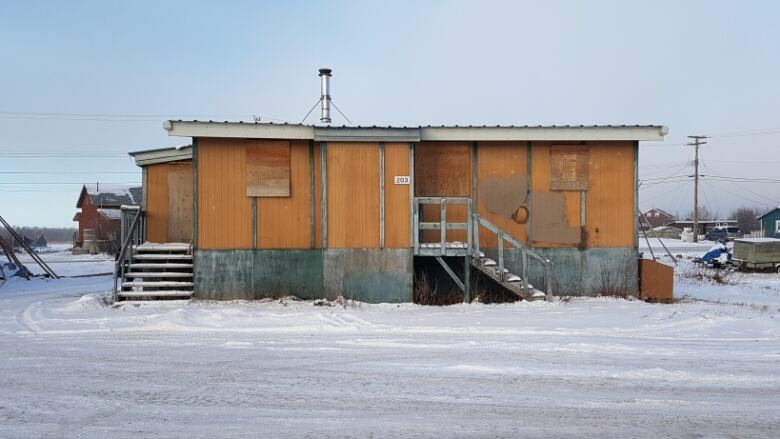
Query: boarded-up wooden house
{"points": [[99, 214], [278, 209]]}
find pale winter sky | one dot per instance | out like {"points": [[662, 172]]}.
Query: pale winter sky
{"points": [[82, 83]]}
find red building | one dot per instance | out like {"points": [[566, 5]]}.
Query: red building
{"points": [[99, 216]]}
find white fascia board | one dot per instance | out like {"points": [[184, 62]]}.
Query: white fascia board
{"points": [[542, 133], [144, 158], [238, 130]]}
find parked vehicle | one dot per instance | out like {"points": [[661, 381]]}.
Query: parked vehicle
{"points": [[719, 233], [757, 254], [718, 256]]}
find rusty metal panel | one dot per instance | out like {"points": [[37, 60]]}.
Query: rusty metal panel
{"points": [[656, 281]]}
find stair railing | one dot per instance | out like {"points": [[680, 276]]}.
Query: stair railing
{"points": [[525, 252], [132, 235]]}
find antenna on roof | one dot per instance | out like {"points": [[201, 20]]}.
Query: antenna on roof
{"points": [[325, 100]]}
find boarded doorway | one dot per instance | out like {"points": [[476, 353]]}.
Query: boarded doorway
{"points": [[180, 203]]}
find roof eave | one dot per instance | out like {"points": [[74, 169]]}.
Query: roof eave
{"points": [[162, 155]]}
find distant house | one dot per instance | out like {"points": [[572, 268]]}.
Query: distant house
{"points": [[770, 223], [703, 225], [99, 217], [36, 243], [658, 217]]}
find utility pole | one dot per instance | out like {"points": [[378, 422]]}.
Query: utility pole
{"points": [[697, 141]]}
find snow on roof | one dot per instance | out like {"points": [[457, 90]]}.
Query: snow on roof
{"points": [[111, 214], [113, 194]]}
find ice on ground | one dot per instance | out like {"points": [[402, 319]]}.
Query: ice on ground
{"points": [[73, 366]]}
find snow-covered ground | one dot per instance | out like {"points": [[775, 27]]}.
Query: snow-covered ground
{"points": [[71, 366]]}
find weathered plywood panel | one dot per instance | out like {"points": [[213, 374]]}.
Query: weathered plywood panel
{"points": [[443, 169], [224, 210], [284, 222], [179, 202], [610, 198], [397, 223], [353, 195], [569, 167], [157, 203], [502, 186], [268, 169], [554, 215]]}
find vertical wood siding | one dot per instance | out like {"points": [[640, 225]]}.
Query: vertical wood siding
{"points": [[353, 195], [443, 169], [317, 196], [396, 196], [157, 203], [540, 163], [224, 210], [501, 187], [610, 203], [283, 222]]}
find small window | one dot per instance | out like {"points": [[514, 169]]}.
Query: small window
{"points": [[777, 226], [569, 168], [268, 170]]}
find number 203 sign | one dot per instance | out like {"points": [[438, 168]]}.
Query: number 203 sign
{"points": [[401, 179]]}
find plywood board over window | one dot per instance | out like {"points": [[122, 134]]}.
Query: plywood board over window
{"points": [[268, 170], [569, 167]]}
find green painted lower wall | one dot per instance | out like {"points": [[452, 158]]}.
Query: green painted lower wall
{"points": [[368, 275], [582, 272]]}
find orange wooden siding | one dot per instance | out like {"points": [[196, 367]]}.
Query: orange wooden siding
{"points": [[224, 210], [317, 196], [443, 169], [353, 195], [159, 216], [157, 203], [501, 188], [283, 222], [397, 221], [540, 182], [610, 199]]}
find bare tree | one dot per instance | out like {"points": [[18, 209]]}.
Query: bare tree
{"points": [[746, 218]]}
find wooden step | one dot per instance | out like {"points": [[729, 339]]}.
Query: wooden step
{"points": [[171, 247], [142, 274], [158, 284], [161, 266], [166, 293], [513, 287], [161, 256]]}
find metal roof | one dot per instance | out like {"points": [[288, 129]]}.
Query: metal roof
{"points": [[162, 155], [266, 130]]}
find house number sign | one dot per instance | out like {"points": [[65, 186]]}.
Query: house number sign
{"points": [[401, 179]]}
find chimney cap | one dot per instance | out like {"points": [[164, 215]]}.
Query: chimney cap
{"points": [[325, 71]]}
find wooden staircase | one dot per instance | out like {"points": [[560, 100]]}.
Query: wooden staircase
{"points": [[470, 250], [157, 272]]}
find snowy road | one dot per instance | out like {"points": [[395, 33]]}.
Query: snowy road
{"points": [[72, 367]]}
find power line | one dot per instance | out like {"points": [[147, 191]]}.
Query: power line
{"points": [[70, 172], [66, 182]]}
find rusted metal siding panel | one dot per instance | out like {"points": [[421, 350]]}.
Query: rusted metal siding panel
{"points": [[224, 210], [283, 222], [609, 215], [656, 281], [157, 203], [397, 213], [502, 185], [353, 195], [443, 169]]}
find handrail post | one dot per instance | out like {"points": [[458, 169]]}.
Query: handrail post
{"points": [[524, 262], [548, 280], [416, 225], [469, 233], [500, 256], [443, 224], [475, 230]]}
